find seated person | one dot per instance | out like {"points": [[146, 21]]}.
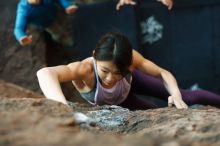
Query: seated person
{"points": [[43, 15]]}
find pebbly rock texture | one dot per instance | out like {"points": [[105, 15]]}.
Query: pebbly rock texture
{"points": [[38, 121]]}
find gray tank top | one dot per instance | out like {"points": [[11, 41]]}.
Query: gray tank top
{"points": [[113, 96]]}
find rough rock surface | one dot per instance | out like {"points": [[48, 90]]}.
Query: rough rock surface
{"points": [[10, 90], [38, 121]]}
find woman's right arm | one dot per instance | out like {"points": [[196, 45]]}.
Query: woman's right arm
{"points": [[49, 79], [21, 25]]}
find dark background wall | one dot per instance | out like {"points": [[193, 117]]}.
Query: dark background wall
{"points": [[94, 20]]}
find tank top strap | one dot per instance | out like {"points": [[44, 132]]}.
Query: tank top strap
{"points": [[95, 70]]}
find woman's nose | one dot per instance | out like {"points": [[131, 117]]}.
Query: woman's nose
{"points": [[109, 77]]}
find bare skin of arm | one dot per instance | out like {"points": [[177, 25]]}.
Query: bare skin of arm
{"points": [[148, 67], [50, 78]]}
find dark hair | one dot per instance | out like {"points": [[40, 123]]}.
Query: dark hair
{"points": [[115, 47]]}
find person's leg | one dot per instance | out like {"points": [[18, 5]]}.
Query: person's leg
{"points": [[147, 85], [200, 97], [59, 34], [134, 102]]}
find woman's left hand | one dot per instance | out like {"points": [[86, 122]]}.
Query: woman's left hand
{"points": [[177, 101], [125, 2], [71, 9]]}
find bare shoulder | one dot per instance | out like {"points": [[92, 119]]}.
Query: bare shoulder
{"points": [[137, 59], [82, 68], [145, 65]]}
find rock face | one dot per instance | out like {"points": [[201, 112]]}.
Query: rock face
{"points": [[9, 90], [38, 121]]}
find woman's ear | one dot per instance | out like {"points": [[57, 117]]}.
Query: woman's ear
{"points": [[93, 52]]}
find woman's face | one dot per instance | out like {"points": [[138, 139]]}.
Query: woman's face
{"points": [[108, 73]]}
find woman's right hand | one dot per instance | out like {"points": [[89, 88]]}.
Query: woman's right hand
{"points": [[168, 3], [124, 2], [26, 40], [71, 9], [177, 101]]}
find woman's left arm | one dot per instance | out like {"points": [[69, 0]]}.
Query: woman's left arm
{"points": [[148, 67]]}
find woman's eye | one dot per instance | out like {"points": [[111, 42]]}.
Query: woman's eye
{"points": [[104, 71]]}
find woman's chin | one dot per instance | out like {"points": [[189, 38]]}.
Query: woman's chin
{"points": [[107, 84]]}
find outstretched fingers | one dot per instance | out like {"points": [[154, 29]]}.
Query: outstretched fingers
{"points": [[26, 40], [178, 102], [170, 101], [71, 9], [168, 3], [124, 2]]}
